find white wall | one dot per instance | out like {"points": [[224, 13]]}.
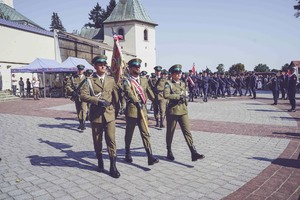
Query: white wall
{"points": [[19, 48], [134, 42]]}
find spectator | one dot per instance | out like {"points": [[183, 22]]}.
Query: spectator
{"points": [[28, 88], [14, 83], [21, 86], [36, 88]]}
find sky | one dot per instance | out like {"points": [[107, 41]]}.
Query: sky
{"points": [[204, 32]]}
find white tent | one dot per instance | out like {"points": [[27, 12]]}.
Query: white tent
{"points": [[72, 62]]}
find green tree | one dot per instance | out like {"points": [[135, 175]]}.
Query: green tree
{"points": [[96, 15], [261, 68], [208, 70], [112, 4], [237, 68], [274, 70], [220, 68], [285, 67], [56, 23], [297, 8]]}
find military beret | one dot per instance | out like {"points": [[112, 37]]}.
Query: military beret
{"points": [[89, 71], [81, 67], [175, 68], [164, 71], [157, 68], [190, 70], [143, 73], [99, 59], [135, 62]]}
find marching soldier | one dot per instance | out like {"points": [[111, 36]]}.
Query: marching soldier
{"points": [[253, 84], [74, 86], [177, 111], [136, 90], [157, 85], [101, 92]]}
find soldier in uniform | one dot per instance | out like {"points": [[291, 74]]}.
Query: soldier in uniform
{"points": [[275, 87], [88, 73], [159, 105], [292, 90], [101, 92], [177, 111], [74, 86], [136, 90], [253, 84]]}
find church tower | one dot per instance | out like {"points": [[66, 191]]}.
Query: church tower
{"points": [[130, 20], [10, 3]]}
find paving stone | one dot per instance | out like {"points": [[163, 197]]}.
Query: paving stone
{"points": [[57, 160]]}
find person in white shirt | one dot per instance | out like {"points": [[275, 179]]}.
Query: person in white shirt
{"points": [[14, 83], [36, 88]]}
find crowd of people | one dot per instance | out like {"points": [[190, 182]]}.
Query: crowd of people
{"points": [[99, 99]]}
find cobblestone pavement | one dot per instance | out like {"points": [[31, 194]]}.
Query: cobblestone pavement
{"points": [[45, 157]]}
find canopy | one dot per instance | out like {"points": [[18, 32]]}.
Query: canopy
{"points": [[39, 65], [72, 62]]}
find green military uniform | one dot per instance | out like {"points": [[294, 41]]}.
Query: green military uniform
{"points": [[81, 107], [159, 105], [177, 111], [102, 94], [134, 107]]}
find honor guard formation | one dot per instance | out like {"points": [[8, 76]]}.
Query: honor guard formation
{"points": [[100, 99]]}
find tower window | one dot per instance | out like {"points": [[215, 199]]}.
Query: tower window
{"points": [[121, 32], [145, 35]]}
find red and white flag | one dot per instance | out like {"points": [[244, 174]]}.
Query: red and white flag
{"points": [[193, 69], [117, 62]]}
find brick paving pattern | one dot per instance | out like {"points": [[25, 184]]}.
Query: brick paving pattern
{"points": [[45, 157]]}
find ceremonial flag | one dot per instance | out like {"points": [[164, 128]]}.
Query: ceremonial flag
{"points": [[117, 62], [193, 69]]}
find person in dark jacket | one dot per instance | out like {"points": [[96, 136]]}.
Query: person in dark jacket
{"points": [[275, 86], [253, 84], [292, 89]]}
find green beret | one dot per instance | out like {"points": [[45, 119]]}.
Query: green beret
{"points": [[81, 67], [99, 59], [143, 73], [135, 62], [164, 71], [157, 68], [89, 71], [175, 68]]}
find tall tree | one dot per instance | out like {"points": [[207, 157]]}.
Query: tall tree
{"points": [[261, 68], [285, 67], [56, 23], [208, 70], [237, 68], [220, 68], [297, 7], [112, 4], [96, 15]]}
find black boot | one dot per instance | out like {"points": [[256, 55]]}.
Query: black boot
{"points": [[128, 157], [157, 123], [151, 160], [80, 124], [170, 154], [162, 123], [195, 154], [83, 125], [113, 171], [100, 163]]}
